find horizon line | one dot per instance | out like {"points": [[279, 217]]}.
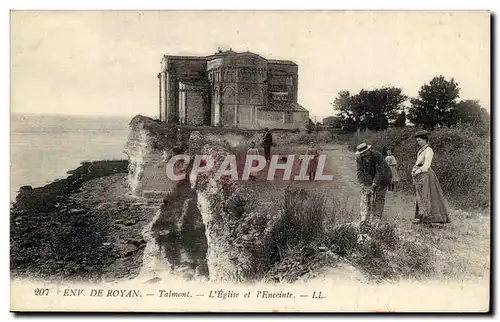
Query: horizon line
{"points": [[70, 114]]}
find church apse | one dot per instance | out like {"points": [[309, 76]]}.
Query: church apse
{"points": [[241, 90]]}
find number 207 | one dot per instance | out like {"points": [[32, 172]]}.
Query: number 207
{"points": [[41, 291]]}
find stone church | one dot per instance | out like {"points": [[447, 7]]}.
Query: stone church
{"points": [[230, 89]]}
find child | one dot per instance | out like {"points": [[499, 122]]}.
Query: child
{"points": [[253, 151], [393, 164], [313, 164]]}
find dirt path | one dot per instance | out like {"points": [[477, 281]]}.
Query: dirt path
{"points": [[461, 249]]}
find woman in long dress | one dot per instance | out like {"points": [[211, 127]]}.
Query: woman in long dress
{"points": [[431, 206], [393, 165], [313, 163]]}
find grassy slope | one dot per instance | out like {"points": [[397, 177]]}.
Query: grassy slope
{"points": [[461, 249]]}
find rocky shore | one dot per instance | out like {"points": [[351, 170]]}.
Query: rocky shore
{"points": [[84, 227]]}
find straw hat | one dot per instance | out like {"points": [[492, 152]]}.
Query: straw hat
{"points": [[421, 133], [363, 147]]}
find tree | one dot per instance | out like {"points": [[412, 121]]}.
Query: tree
{"points": [[401, 120], [435, 104], [470, 112], [344, 105], [370, 109], [333, 121]]}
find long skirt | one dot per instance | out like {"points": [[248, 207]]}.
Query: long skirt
{"points": [[255, 163], [431, 206], [313, 165], [395, 174]]}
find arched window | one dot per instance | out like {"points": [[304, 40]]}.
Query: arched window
{"points": [[255, 99], [229, 95], [244, 95]]}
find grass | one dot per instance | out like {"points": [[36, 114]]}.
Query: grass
{"points": [[304, 237], [461, 161], [295, 230]]}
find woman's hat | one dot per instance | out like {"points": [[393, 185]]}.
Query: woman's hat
{"points": [[363, 147], [421, 133]]}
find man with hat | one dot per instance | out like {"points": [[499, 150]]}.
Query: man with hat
{"points": [[267, 142], [375, 175]]}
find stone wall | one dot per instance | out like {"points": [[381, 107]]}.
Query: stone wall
{"points": [[283, 77], [195, 107], [227, 115], [180, 69], [269, 118], [246, 116]]}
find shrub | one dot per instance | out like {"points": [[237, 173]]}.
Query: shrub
{"points": [[301, 218], [461, 160], [297, 262], [240, 201], [341, 239], [384, 232]]}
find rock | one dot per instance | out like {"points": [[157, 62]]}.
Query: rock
{"points": [[77, 211], [81, 223], [322, 248], [190, 219], [131, 222], [151, 194], [246, 237], [363, 238], [202, 269], [186, 273], [163, 233], [136, 241], [129, 249], [153, 280]]}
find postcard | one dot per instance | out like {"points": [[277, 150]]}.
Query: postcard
{"points": [[250, 161]]}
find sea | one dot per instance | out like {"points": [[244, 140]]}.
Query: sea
{"points": [[44, 147]]}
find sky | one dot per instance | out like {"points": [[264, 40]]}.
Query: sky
{"points": [[106, 62]]}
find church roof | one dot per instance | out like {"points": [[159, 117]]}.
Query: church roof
{"points": [[283, 62], [225, 53]]}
